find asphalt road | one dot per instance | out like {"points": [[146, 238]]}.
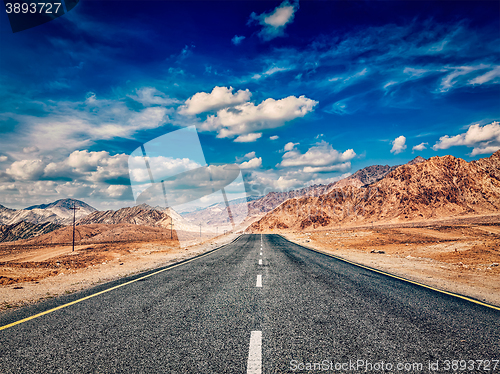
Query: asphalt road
{"points": [[212, 315]]}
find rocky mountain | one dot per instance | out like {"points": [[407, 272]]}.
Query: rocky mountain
{"points": [[63, 208], [438, 187], [143, 214], [254, 207], [58, 212], [416, 160], [365, 176], [25, 230]]}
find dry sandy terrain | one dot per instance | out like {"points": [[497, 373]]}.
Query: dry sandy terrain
{"points": [[29, 273], [460, 258]]}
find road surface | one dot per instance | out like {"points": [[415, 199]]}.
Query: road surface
{"points": [[258, 305]]}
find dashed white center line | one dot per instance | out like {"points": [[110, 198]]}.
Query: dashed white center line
{"points": [[261, 253], [259, 281], [260, 262], [254, 364]]}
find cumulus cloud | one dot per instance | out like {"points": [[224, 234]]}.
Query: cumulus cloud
{"points": [[220, 97], [248, 138], [274, 137], [26, 169], [483, 139], [289, 146], [3, 158], [319, 158], [82, 166], [398, 145], [160, 166], [248, 117], [236, 40], [420, 147], [249, 155], [254, 163], [273, 23]]}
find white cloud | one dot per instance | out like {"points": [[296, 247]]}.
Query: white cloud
{"points": [[248, 138], [117, 191], [79, 166], [236, 40], [151, 96], [483, 139], [248, 117], [272, 70], [420, 147], [274, 137], [398, 145], [26, 169], [345, 166], [487, 77], [319, 158], [249, 155], [160, 165], [85, 160], [452, 79], [289, 146], [3, 158], [347, 80], [220, 97], [273, 23], [31, 149], [254, 163]]}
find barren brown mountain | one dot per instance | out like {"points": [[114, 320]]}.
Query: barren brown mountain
{"points": [[25, 230], [137, 215], [255, 207], [439, 187]]}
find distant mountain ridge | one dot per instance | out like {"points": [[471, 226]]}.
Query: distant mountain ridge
{"points": [[258, 206], [143, 214], [64, 204], [58, 212], [439, 187]]}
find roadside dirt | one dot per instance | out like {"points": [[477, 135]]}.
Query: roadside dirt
{"points": [[29, 273], [463, 259]]}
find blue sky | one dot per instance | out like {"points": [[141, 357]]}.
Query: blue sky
{"points": [[296, 93]]}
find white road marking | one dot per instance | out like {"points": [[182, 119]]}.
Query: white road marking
{"points": [[254, 364], [260, 262], [261, 253], [259, 281]]}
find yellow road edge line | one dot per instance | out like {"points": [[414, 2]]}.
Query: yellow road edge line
{"points": [[396, 276], [109, 289]]}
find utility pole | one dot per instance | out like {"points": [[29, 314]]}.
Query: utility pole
{"points": [[171, 227], [74, 216], [200, 230]]}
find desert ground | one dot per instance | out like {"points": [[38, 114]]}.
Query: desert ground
{"points": [[33, 270], [456, 255]]}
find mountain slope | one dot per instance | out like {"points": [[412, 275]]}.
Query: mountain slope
{"points": [[25, 230], [254, 207], [143, 214], [439, 187], [58, 212]]}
